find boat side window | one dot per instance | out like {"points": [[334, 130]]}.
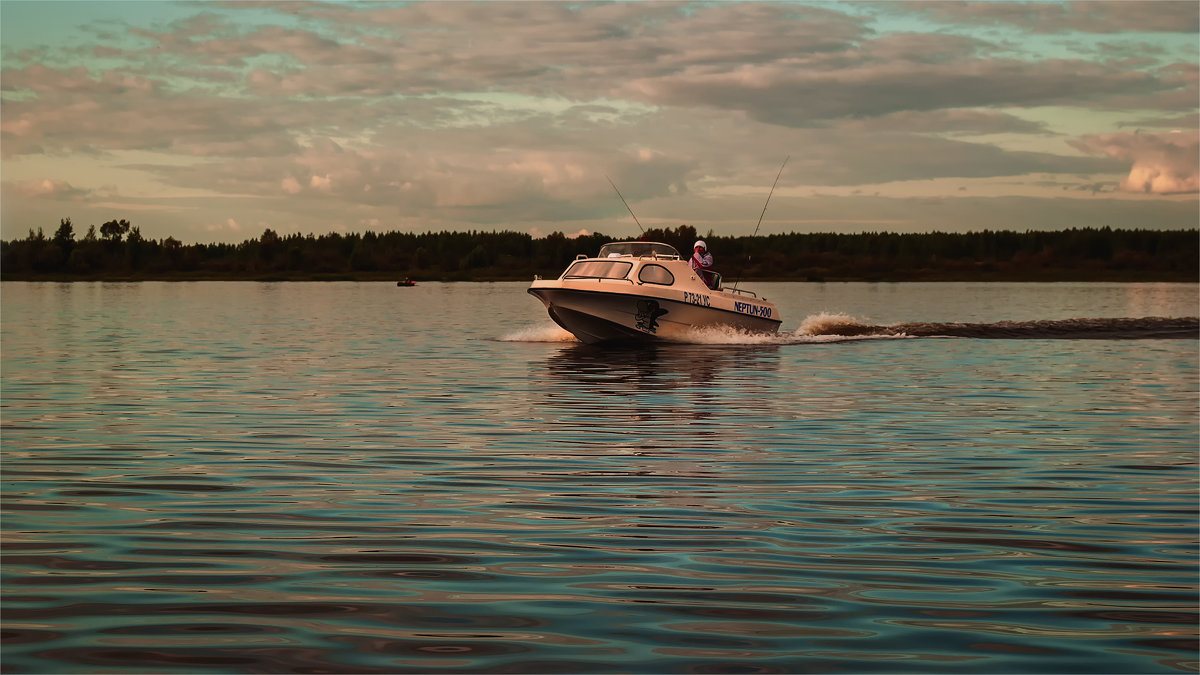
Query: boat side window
{"points": [[656, 274], [598, 269]]}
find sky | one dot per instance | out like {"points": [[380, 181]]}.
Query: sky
{"points": [[214, 121]]}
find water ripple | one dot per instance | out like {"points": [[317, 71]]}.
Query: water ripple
{"points": [[252, 487]]}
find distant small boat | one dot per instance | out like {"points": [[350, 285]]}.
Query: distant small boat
{"points": [[406, 282]]}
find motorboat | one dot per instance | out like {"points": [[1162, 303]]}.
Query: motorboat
{"points": [[641, 290]]}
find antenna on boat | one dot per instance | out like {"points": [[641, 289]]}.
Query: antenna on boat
{"points": [[764, 212], [614, 186]]}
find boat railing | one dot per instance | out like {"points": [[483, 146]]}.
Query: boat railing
{"points": [[740, 291], [638, 249], [648, 256]]}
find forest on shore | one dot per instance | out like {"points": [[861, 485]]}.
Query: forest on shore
{"points": [[119, 252]]}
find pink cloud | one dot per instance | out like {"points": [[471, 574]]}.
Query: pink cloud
{"points": [[48, 188], [1163, 163]]}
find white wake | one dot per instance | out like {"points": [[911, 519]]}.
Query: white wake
{"points": [[540, 333], [815, 329]]}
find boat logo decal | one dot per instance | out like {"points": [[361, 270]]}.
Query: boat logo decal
{"points": [[753, 310], [697, 299], [647, 315]]}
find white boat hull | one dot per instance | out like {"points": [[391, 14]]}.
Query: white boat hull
{"points": [[609, 311]]}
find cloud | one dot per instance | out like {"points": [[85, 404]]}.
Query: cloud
{"points": [[537, 233], [230, 226], [444, 115], [47, 188], [947, 121], [1162, 164], [792, 94], [1084, 16], [71, 110]]}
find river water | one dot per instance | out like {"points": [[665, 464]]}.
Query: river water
{"points": [[340, 477]]}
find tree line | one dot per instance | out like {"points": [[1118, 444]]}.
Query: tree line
{"points": [[118, 250]]}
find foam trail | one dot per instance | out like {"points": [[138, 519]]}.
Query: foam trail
{"points": [[828, 327], [1143, 328], [539, 333], [821, 328], [844, 325], [837, 327], [726, 335]]}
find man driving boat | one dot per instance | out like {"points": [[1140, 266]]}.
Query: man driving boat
{"points": [[702, 262]]}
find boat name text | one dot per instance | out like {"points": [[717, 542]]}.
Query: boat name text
{"points": [[753, 310], [697, 299]]}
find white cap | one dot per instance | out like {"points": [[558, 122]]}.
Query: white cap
{"points": [[701, 244]]}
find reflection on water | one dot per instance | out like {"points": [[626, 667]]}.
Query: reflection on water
{"points": [[625, 387], [414, 495]]}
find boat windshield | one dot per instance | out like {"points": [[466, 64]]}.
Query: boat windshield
{"points": [[638, 249], [598, 269]]}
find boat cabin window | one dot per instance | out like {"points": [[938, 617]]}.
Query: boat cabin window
{"points": [[598, 269], [656, 274], [638, 249]]}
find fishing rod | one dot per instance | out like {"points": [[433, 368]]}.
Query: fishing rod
{"points": [[760, 216], [614, 186]]}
